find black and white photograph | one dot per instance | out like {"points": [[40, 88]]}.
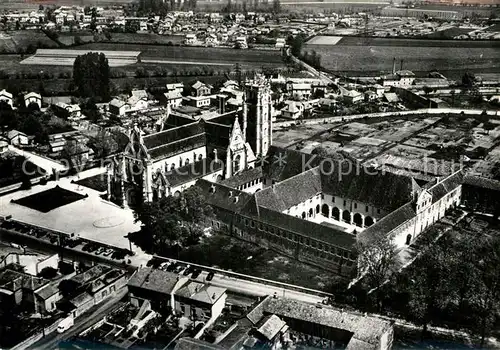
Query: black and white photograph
{"points": [[250, 174]]}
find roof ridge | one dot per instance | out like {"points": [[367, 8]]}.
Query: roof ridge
{"points": [[171, 129]]}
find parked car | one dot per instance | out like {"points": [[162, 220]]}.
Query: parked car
{"points": [[172, 267], [196, 273], [164, 265], [108, 252], [100, 250], [188, 270], [179, 268], [210, 276]]}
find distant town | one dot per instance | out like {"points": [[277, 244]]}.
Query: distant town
{"points": [[249, 175]]}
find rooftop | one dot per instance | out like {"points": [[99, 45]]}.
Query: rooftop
{"points": [[154, 280]]}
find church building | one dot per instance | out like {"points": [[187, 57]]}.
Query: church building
{"points": [[185, 149]]}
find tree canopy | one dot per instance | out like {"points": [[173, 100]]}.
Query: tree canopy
{"points": [[91, 76], [172, 220]]}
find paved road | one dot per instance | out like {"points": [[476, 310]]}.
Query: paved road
{"points": [[44, 163], [81, 323]]}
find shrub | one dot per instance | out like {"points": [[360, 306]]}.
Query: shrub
{"points": [[48, 273], [66, 268]]}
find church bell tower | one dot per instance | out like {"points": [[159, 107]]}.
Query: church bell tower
{"points": [[257, 120]]}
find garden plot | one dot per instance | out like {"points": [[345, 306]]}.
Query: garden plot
{"points": [[324, 40], [398, 130]]}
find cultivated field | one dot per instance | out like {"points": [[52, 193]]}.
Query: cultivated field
{"points": [[13, 42], [145, 38], [374, 56], [193, 54]]}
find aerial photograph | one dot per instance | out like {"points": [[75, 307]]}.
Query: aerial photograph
{"points": [[249, 174]]}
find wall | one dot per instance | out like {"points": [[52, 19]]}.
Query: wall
{"points": [[51, 261], [292, 244], [353, 117]]}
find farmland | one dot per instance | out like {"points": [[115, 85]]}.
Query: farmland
{"points": [[374, 56], [13, 42], [255, 58], [146, 38]]}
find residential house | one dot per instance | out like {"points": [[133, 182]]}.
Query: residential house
{"points": [[190, 39], [154, 285], [352, 96], [19, 287], [200, 89], [198, 101], [292, 110], [402, 78], [172, 98], [93, 286], [118, 107], [200, 301], [6, 97], [46, 297], [17, 138], [241, 42], [280, 43], [378, 89], [33, 97], [61, 18], [68, 111], [211, 40]]}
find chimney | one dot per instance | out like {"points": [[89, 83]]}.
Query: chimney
{"points": [[215, 155], [401, 64], [222, 103], [394, 66]]}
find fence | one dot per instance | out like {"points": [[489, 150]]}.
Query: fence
{"points": [[37, 336], [252, 278]]}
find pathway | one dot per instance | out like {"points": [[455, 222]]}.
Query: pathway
{"points": [[42, 162]]}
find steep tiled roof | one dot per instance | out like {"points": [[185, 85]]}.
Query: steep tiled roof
{"points": [[271, 326], [307, 228], [381, 189], [201, 292], [292, 191], [192, 171], [176, 147], [482, 182], [440, 190], [293, 163], [218, 134], [222, 196], [244, 177], [165, 137], [365, 329], [153, 279], [388, 223]]}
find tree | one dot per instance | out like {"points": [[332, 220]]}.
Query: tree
{"points": [[91, 76], [276, 6], [48, 272], [468, 80], [172, 220], [376, 259], [427, 90], [320, 151]]}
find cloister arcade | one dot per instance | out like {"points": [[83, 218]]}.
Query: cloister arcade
{"points": [[351, 218]]}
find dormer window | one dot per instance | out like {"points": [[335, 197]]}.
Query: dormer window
{"points": [[212, 189]]}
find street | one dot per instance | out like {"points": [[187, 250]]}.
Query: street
{"points": [[82, 322]]}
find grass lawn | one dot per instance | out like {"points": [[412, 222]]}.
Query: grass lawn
{"points": [[50, 199], [11, 42], [239, 256], [97, 183], [145, 38]]}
